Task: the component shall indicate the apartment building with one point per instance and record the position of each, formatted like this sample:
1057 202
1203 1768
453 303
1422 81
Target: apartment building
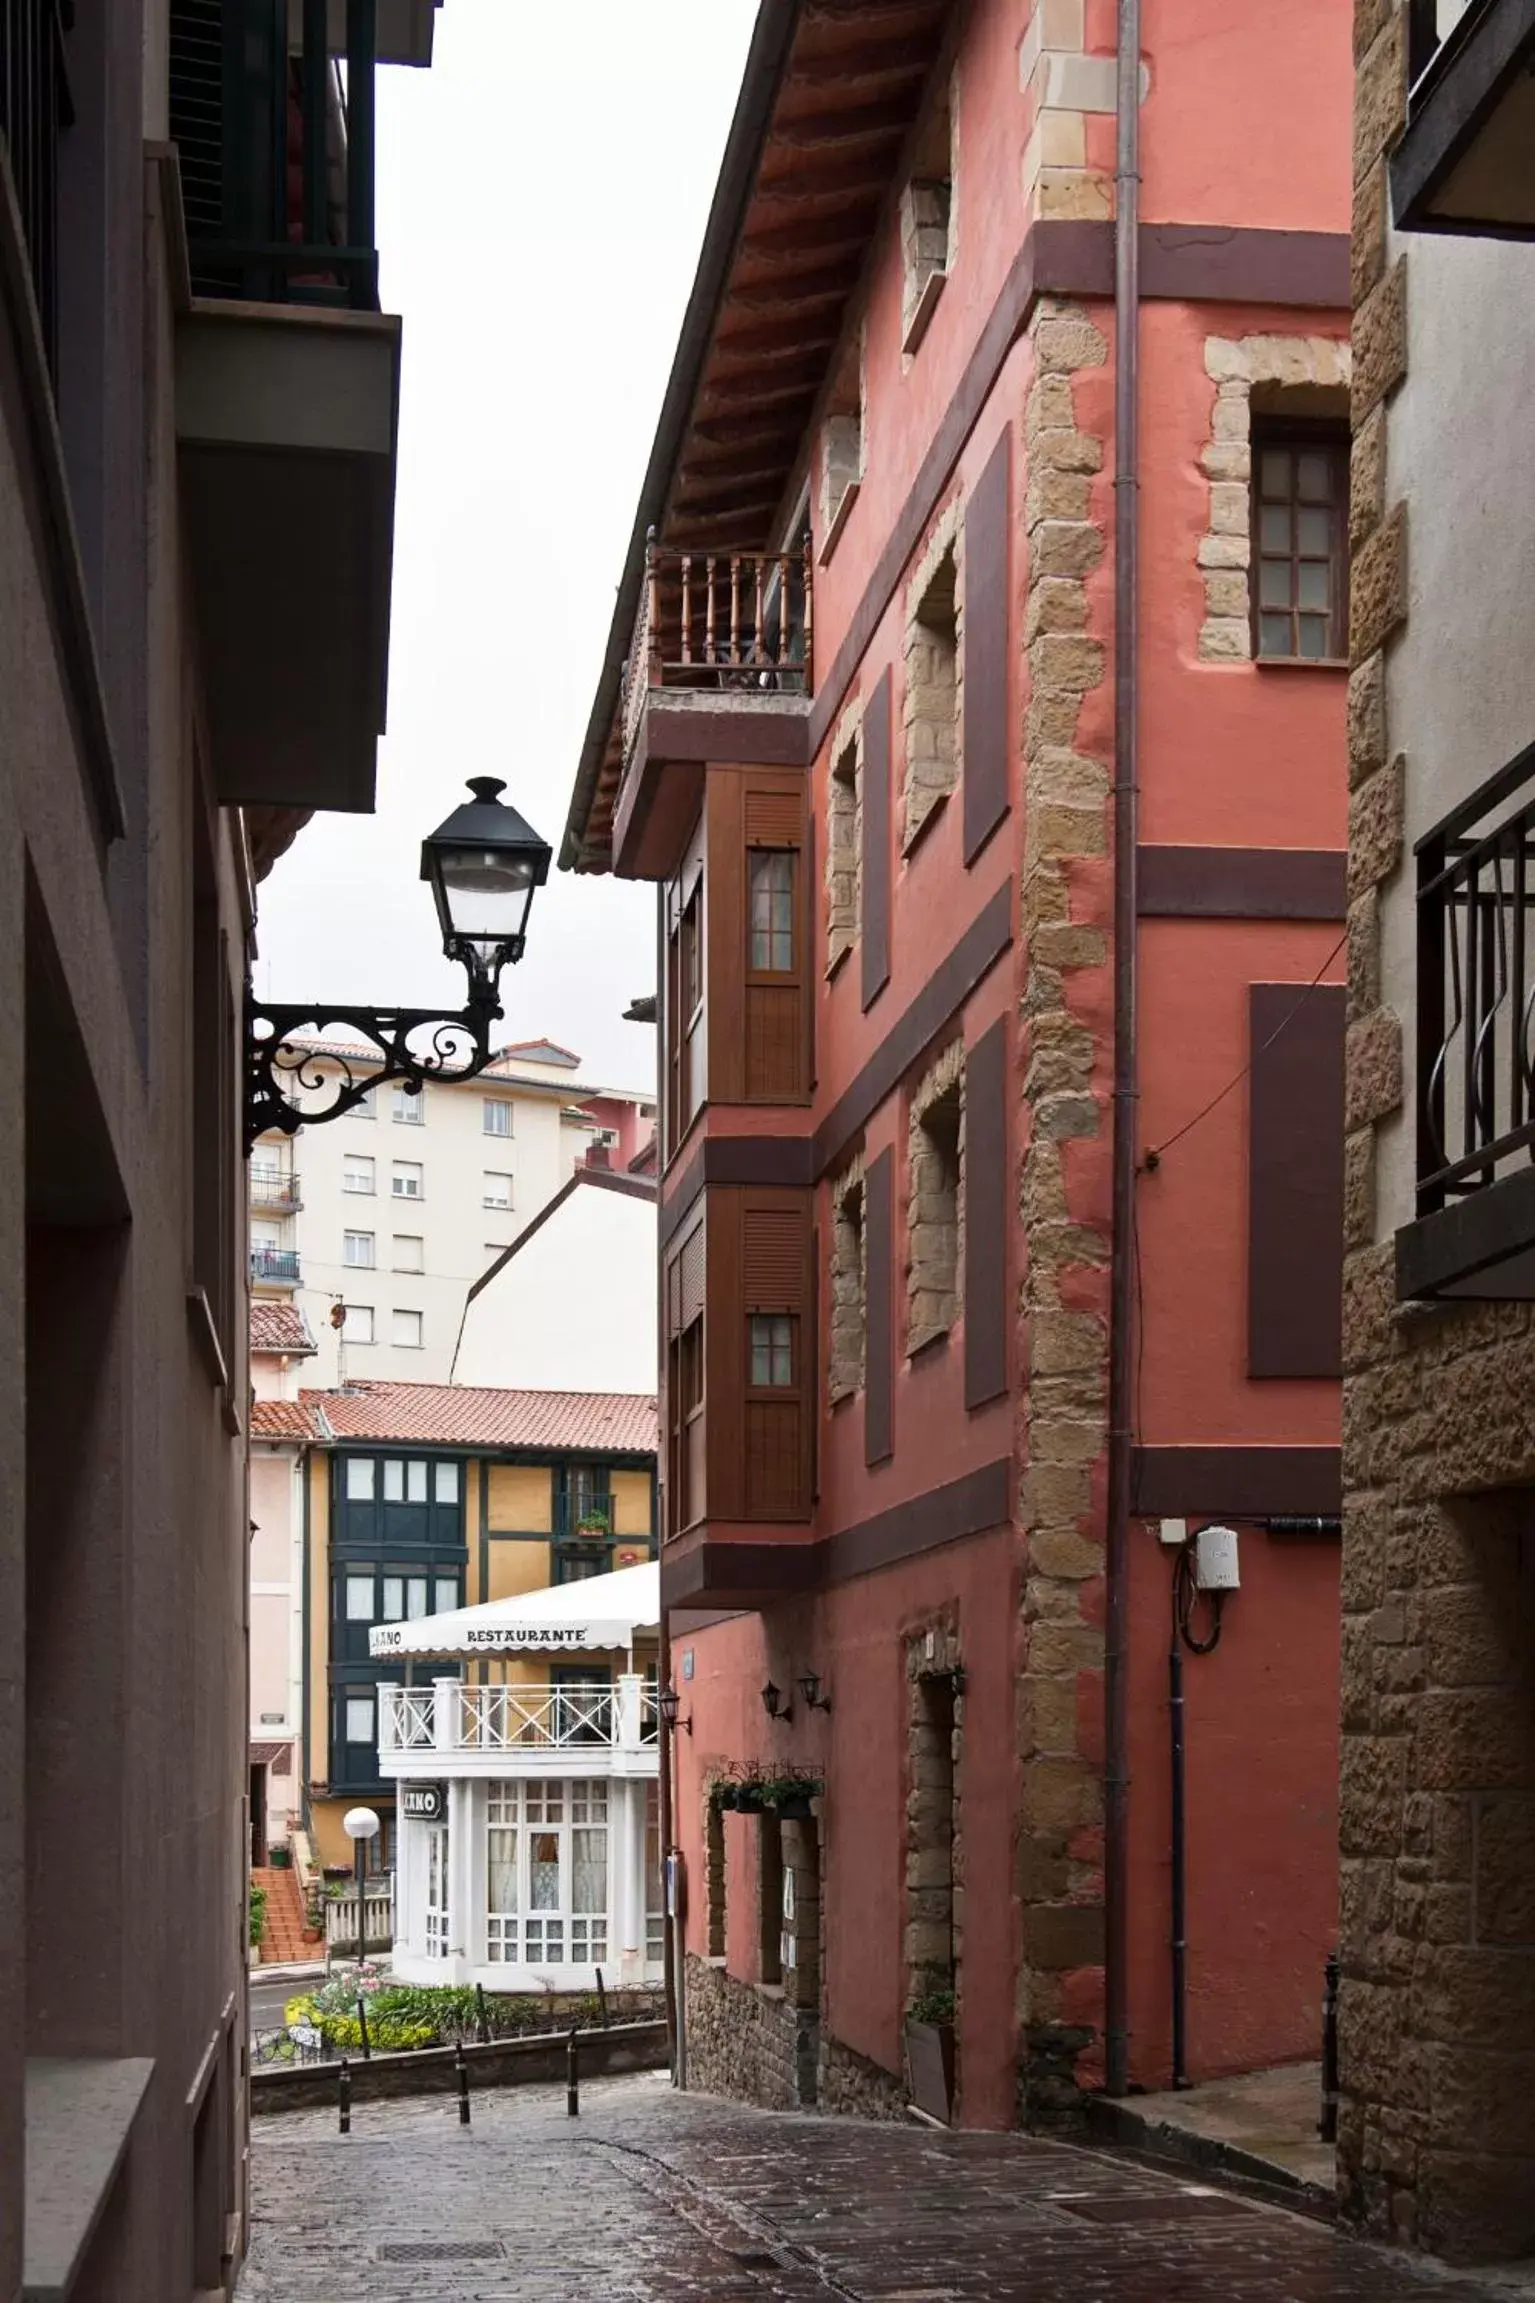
1436 2142
377 1227
401 1500
975 700
198 399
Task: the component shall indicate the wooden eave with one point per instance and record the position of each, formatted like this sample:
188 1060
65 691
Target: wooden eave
851 76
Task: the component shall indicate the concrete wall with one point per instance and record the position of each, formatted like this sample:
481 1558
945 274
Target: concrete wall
575 1308
277 1622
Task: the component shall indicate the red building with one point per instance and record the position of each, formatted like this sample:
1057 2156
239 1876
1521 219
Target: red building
1001 1129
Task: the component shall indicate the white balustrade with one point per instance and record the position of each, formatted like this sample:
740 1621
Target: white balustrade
455 1716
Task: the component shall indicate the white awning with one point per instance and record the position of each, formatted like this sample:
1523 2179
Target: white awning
599 1611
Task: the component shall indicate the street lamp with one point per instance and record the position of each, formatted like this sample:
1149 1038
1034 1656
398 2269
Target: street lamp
360 1825
483 866
669 1703
773 1703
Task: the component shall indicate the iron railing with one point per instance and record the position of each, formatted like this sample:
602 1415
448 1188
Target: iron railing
721 620
279 1264
35 108
277 149
514 1718
1476 990
273 1187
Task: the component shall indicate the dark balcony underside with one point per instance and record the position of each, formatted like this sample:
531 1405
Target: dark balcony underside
681 733
1481 1249
1467 161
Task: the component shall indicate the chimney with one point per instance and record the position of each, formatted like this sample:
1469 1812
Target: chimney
597 1156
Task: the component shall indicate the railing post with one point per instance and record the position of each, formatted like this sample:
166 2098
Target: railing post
805 559
445 1696
1433 918
630 1722
652 612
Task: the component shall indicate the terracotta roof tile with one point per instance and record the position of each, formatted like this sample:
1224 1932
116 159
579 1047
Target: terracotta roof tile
284 1419
280 1327
459 1415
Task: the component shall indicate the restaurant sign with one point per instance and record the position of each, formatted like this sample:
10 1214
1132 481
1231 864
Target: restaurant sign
423 1802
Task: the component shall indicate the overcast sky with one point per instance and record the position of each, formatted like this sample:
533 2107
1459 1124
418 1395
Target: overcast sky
542 194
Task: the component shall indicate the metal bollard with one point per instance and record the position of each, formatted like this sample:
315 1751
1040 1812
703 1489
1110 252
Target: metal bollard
344 2095
484 2023
462 2070
602 2001
362 2025
572 2077
1327 2125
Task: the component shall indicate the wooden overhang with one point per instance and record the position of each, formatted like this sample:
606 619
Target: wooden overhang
831 92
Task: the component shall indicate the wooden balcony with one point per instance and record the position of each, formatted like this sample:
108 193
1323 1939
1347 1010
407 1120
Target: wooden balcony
720 669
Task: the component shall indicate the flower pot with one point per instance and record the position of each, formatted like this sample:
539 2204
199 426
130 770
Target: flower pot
749 1800
725 1796
794 1807
930 2068
314 1934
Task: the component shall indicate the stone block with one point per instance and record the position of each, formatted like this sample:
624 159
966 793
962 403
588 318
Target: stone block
1505 1869
1060 1794
1065 341
1364 979
1374 1069
1473 1738
1227 362
1064 548
1375 820
1226 595
1063 1935
1366 718
1377 603
1056 605
1225 640
1050 407
1380 94
1472 1642
1074 194
1369 16
1229 460
1367 240
1372 1786
1359 1188
1367 479
1054 495
1224 552
1362 1573
1379 342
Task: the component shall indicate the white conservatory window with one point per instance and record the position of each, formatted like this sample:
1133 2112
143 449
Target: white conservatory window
547 1873
437 1892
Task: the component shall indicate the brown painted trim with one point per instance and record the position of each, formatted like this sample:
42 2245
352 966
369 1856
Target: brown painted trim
988 1219
971 1505
988 936
1295 1181
736 1577
774 1162
1247 1482
878 806
1239 264
1210 263
1243 883
759 738
879 1314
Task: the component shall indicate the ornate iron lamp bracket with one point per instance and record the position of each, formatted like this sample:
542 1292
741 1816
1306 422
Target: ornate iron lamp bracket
415 1045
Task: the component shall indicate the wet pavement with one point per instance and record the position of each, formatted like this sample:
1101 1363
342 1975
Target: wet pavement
654 2197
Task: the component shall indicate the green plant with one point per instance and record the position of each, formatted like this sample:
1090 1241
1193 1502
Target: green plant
934 2005
784 1790
593 1523
280 1857
257 1913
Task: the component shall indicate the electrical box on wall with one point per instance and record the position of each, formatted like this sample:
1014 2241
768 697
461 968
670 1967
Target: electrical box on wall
1215 1560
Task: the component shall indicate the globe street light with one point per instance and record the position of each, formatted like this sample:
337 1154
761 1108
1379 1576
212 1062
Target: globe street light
360 1825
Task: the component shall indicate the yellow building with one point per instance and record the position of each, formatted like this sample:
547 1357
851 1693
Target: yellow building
417 1498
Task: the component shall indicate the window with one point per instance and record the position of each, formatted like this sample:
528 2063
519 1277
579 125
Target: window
497 1190
546 1873
409 1251
1300 542
772 1351
770 878
933 677
407 1181
842 448
406 1330
438 1928
497 1116
927 226
444 1594
357 1174
849 1286
844 848
404 1482
445 1482
359 1478
409 1107
357 1323
392 1589
366 1106
690 1403
359 1719
357 1250
655 1887
359 1598
934 1201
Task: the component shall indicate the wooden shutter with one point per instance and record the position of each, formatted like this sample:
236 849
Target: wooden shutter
987 1217
879 1309
986 722
776 1277
1295 1181
875 924
777 1011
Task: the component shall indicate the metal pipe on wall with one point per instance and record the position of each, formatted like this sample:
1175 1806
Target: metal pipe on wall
1179 1943
1122 1253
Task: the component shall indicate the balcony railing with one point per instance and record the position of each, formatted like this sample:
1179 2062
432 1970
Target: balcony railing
276 150
719 620
277 1265
274 1187
1476 990
452 1717
35 108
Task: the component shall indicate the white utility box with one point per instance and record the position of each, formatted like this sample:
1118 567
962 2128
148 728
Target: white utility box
1215 1560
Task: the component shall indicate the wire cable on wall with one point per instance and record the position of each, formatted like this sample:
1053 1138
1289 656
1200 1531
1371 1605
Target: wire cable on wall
1186 1598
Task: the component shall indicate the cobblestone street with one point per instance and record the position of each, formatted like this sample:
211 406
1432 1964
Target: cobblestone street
660 2198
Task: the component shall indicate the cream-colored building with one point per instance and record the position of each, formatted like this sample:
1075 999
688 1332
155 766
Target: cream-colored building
388 1216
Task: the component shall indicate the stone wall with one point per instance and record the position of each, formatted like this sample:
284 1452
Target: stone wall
851 2083
844 838
1066 998
1436 2140
849 1284
934 674
747 2040
935 1198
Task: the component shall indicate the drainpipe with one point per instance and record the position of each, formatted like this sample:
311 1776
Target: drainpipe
1122 1268
666 1741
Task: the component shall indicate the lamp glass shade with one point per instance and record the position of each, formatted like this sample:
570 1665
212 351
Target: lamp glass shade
484 863
360 1823
667 1703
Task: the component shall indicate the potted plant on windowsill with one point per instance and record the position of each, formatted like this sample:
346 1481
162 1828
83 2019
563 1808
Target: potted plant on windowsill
593 1523
790 1796
723 1793
930 2051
